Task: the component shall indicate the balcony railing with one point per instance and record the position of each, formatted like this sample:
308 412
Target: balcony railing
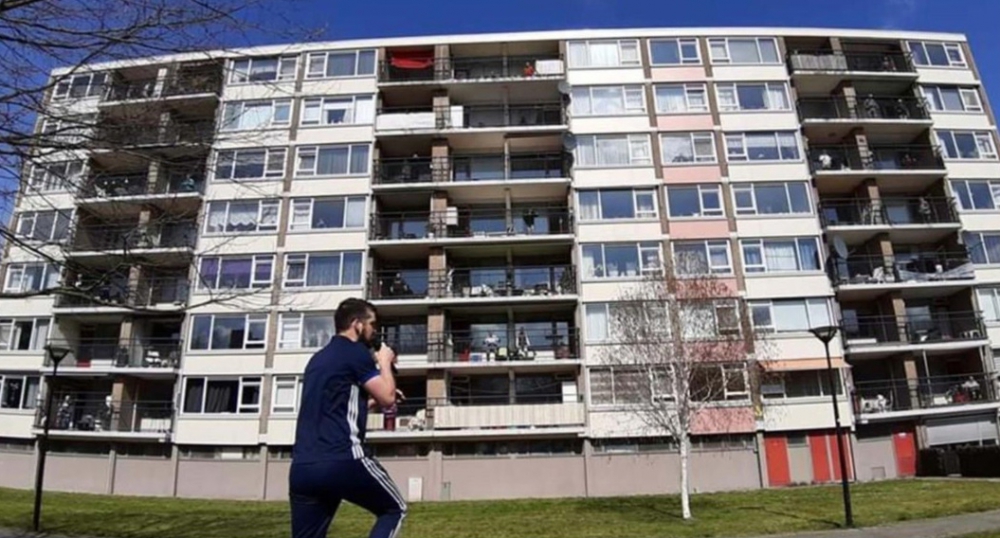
137 353
513 344
456 116
863 108
145 134
936 327
477 68
544 410
124 237
911 157
108 186
469 168
485 222
888 211
480 282
126 90
871 62
149 292
884 396
97 412
903 268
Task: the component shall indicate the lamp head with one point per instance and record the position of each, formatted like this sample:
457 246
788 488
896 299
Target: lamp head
57 353
825 334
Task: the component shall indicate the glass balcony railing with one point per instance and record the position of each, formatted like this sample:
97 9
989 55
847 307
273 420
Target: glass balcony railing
875 158
863 108
885 395
98 412
122 237
482 68
478 222
903 268
894 211
150 292
934 328
135 353
847 61
478 282
470 168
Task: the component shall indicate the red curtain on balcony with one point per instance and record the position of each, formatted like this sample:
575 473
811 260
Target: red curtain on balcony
412 59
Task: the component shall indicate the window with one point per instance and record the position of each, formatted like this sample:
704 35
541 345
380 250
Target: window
790 198
983 247
68 128
989 303
681 99
600 318
333 160
615 204
718 382
685 148
242 216
744 50
611 53
206 395
305 331
695 201
967 145
790 315
708 319
800 384
19 392
763 146
621 260
977 195
608 101
23 334
952 98
265 69
29 277
49 226
622 386
323 269
674 52
933 54
60 176
613 150
235 272
327 213
341 63
342 110
244 164
780 255
245 115
702 257
79 86
749 96
228 331
287 394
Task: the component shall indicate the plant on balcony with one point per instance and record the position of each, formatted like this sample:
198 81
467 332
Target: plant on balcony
681 349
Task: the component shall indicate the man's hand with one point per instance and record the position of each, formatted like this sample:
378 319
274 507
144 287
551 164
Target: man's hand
385 357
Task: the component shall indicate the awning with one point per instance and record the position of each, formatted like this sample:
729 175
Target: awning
803 364
412 59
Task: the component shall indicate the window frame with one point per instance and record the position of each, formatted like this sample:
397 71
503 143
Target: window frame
961 63
91 92
750 187
271 171
680 42
735 159
33 217
43 179
640 248
805 301
24 403
980 237
626 109
273 123
761 244
22 267
12 324
636 216
248 318
634 141
927 91
347 199
637 62
320 103
243 383
302 173
727 60
262 203
978 137
284 380
963 186
305 257
821 377
256 261
693 138
688 88
735 87
297 321
279 73
311 75
708 245
702 189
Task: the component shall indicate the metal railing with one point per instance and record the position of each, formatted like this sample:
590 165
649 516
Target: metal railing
470 68
102 185
872 62
154 291
184 84
894 211
147 134
127 90
469 168
478 282
537 343
500 115
135 353
97 412
936 327
903 157
902 108
487 222
883 396
903 268
468 410
122 237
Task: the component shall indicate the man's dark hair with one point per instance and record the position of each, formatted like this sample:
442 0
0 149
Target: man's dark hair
350 310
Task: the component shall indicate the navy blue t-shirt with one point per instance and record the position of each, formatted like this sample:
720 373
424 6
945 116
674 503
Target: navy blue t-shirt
333 413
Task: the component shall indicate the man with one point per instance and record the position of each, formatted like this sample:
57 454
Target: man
330 460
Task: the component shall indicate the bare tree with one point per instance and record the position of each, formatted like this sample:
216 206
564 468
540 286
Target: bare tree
681 355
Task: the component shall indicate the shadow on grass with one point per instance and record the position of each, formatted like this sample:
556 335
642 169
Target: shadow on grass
831 524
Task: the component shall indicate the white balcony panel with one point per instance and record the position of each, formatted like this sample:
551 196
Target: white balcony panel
215 245
607 290
993 333
795 346
16 424
223 362
741 73
39 306
46 201
634 176
335 134
17 254
281 431
604 423
804 413
932 75
246 190
787 286
292 361
611 124
339 86
217 429
311 301
22 361
961 120
264 90
785 171
508 416
632 230
276 136
339 186
980 221
759 121
604 76
972 169
772 226
987 274
229 301
322 240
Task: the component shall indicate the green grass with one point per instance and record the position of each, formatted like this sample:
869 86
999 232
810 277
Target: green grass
723 514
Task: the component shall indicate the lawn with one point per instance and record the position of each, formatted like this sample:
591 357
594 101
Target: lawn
723 514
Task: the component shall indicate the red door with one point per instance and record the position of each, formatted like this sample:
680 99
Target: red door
776 451
905 446
820 456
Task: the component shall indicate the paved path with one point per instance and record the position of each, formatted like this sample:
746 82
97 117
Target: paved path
945 527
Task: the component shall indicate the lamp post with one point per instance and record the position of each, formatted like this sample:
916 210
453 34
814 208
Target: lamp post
825 335
56 354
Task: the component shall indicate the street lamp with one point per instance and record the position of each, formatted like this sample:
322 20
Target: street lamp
825 335
56 354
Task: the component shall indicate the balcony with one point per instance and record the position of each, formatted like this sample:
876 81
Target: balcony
475 69
885 399
155 293
112 135
494 167
933 331
841 168
524 282
475 413
908 220
820 71
76 414
122 238
111 353
484 224
136 185
867 108
515 345
529 116
941 271
207 83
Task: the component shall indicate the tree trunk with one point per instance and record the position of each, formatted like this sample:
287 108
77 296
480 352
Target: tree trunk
685 496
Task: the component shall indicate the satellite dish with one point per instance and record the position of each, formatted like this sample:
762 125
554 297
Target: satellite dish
569 142
564 88
840 247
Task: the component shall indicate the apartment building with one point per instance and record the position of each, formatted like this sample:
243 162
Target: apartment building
493 195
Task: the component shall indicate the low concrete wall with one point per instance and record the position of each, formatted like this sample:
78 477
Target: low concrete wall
147 477
17 470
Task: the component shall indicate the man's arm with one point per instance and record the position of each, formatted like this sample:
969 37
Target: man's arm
382 387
